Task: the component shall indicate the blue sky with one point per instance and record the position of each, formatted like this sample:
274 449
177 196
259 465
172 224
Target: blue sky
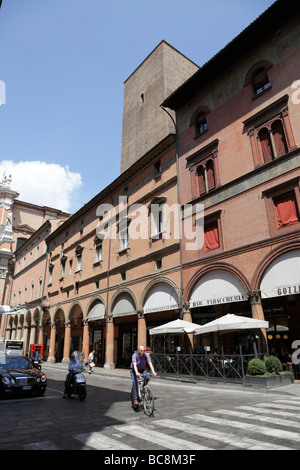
64 63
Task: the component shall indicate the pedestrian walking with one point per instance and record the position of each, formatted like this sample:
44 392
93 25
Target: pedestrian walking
91 361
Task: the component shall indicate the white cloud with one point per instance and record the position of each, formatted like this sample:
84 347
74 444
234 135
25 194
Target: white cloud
41 183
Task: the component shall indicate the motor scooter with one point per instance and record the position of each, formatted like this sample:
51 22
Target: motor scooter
37 361
77 386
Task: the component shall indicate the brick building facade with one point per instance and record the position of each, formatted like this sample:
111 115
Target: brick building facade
235 152
239 135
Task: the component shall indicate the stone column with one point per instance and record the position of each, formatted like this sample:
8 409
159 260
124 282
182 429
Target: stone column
25 337
258 313
13 332
86 339
19 328
67 343
142 329
32 334
51 357
109 353
187 316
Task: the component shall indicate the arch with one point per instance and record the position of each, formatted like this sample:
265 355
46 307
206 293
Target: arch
268 260
58 313
199 111
196 278
123 302
28 318
261 65
74 310
36 314
162 286
96 309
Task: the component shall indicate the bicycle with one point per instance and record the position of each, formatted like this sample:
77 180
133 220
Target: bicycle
144 395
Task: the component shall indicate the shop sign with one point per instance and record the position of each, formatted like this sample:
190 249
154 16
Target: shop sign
286 290
161 309
220 300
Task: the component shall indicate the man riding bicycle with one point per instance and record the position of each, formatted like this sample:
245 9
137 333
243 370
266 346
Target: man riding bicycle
137 369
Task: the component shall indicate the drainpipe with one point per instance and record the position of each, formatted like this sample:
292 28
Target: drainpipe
179 210
106 364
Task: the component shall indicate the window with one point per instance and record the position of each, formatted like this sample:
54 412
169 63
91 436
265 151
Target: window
282 207
157 217
211 236
78 261
286 209
20 242
201 124
204 170
270 133
32 291
123 234
78 253
260 81
158 264
258 78
98 250
272 141
199 121
63 262
77 288
40 287
70 267
205 177
157 168
51 267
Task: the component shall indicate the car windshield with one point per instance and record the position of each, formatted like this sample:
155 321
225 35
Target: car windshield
14 363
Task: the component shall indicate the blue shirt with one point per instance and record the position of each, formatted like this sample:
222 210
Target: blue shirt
140 360
74 366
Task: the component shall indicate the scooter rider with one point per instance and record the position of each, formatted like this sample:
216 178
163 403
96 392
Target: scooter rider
74 367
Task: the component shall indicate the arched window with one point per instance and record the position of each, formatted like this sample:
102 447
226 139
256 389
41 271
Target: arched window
205 177
260 81
210 175
258 77
270 132
279 138
266 145
200 180
199 121
201 124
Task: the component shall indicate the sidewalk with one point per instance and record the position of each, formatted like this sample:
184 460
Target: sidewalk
292 389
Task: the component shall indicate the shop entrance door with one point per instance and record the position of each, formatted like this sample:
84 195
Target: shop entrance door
127 344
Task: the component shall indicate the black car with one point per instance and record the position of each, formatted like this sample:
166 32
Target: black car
18 375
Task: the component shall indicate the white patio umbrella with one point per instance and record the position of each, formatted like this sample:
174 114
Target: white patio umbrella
175 327
231 322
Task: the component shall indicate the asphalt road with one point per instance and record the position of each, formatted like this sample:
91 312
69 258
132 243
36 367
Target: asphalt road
188 418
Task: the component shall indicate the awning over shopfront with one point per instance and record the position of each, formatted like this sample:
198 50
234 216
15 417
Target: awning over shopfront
124 306
231 322
162 297
218 287
282 277
97 311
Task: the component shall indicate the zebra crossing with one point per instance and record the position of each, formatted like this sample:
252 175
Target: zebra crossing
265 426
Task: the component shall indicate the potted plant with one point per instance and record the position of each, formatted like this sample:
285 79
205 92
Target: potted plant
267 373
